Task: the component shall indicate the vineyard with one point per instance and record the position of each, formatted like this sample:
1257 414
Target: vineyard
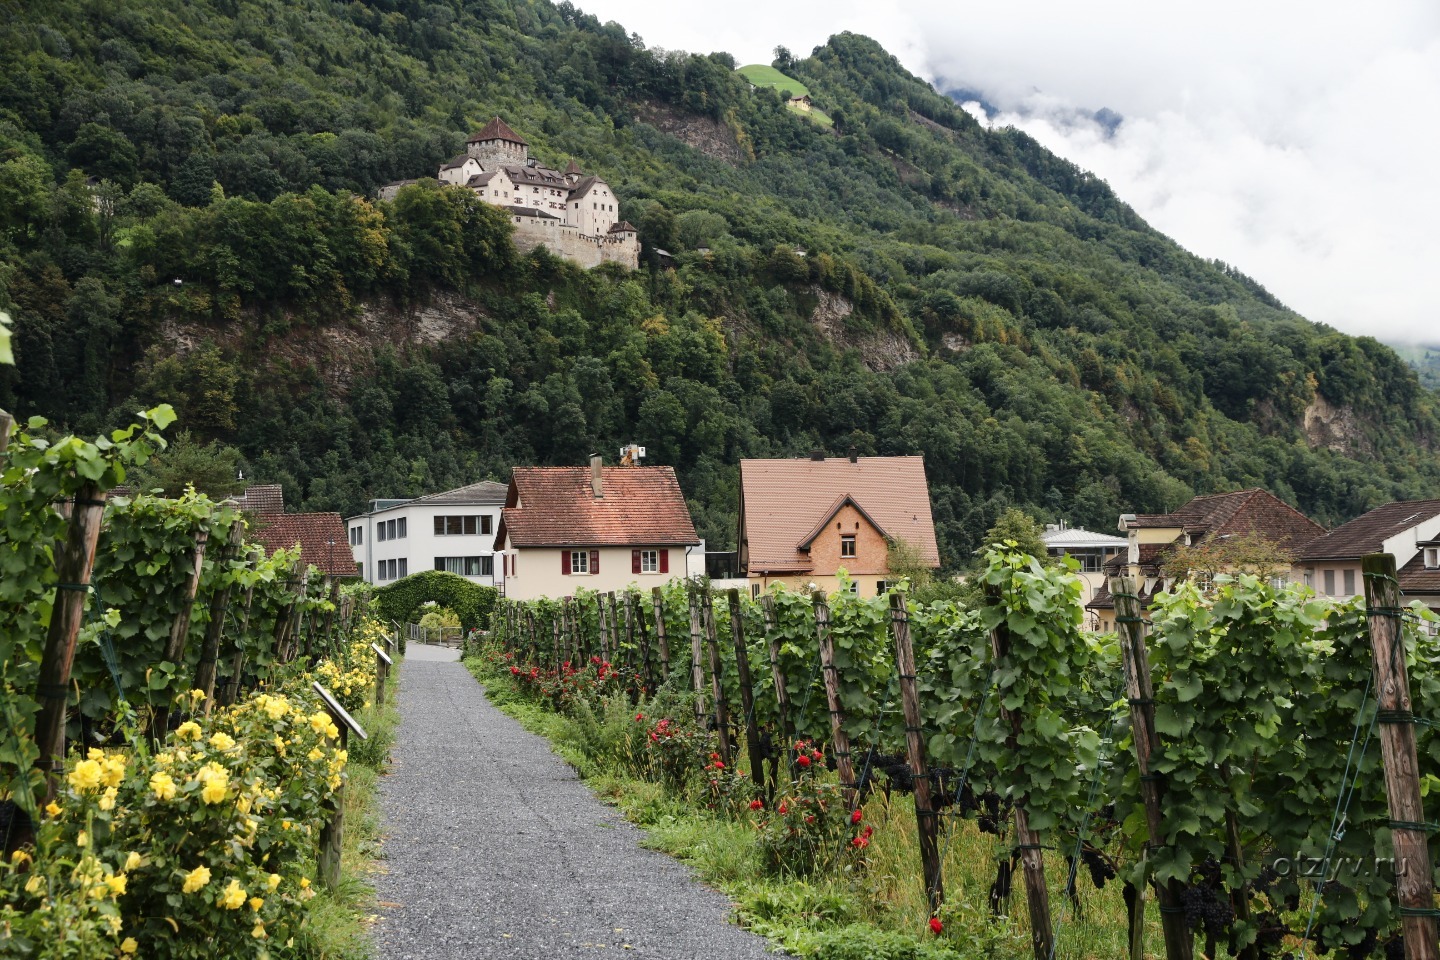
1228 760
178 711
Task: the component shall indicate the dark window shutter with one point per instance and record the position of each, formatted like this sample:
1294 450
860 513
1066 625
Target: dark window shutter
634 561
664 561
565 561
594 561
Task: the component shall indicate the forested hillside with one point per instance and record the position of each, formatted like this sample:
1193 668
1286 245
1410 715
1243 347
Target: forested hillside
961 293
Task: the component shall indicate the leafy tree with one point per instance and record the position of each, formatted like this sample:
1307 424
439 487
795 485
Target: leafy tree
210 468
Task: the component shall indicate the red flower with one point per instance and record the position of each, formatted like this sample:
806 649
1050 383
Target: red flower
757 805
855 817
860 843
639 717
719 765
515 671
782 809
868 831
810 818
936 926
818 756
803 760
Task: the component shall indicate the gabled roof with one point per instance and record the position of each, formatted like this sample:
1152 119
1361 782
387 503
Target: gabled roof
1367 533
1243 512
321 536
835 508
480 179
622 227
262 499
583 187
556 507
572 167
1152 555
486 492
1415 580
457 161
537 176
784 502
498 129
531 212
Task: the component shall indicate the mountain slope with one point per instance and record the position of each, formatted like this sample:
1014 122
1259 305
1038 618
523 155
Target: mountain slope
964 293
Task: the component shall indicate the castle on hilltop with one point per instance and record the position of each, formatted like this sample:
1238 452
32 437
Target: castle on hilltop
569 213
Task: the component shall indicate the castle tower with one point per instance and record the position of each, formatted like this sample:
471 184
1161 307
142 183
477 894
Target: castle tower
572 172
497 146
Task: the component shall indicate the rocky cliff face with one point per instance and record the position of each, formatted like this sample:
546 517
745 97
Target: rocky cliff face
1334 428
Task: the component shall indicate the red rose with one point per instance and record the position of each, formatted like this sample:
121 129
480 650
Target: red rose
810 818
782 809
855 817
936 926
757 805
803 760
639 717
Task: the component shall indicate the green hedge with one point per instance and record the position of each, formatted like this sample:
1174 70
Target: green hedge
402 599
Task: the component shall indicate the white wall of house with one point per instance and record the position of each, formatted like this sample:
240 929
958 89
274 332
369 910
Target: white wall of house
421 545
535 572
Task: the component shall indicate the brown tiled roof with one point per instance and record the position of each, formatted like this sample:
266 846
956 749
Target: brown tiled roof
1152 555
782 501
583 187
622 226
572 167
498 129
322 538
555 506
1366 533
263 499
1104 601
480 179
537 176
1243 512
455 162
1416 581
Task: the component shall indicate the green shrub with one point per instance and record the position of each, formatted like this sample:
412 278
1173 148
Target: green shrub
471 602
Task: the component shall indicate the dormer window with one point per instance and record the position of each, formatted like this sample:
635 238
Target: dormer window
1432 558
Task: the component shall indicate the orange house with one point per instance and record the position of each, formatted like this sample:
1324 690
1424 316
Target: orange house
803 522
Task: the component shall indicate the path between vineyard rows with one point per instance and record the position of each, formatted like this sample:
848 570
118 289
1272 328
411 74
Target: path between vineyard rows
495 849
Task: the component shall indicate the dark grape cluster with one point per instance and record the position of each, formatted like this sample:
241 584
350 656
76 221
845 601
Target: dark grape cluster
1206 902
1101 870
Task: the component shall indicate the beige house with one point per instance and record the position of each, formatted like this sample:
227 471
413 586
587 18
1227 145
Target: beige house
565 529
803 522
1407 529
1207 521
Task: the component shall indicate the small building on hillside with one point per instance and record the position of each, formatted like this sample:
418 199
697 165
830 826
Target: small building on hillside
595 528
452 531
1264 530
803 522
1090 550
320 536
1408 529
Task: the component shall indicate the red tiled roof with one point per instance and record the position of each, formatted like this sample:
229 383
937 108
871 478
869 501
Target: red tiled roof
783 501
322 538
1152 555
1417 581
498 129
555 506
262 499
1368 532
1252 511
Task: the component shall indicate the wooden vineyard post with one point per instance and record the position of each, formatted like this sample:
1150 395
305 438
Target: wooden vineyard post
717 678
647 672
629 633
555 645
530 645
1027 840
1413 883
284 622
839 739
612 626
6 423
926 820
1130 622
662 644
697 671
602 628
747 690
237 661
782 695
215 629
180 626
569 636
74 560
332 831
330 614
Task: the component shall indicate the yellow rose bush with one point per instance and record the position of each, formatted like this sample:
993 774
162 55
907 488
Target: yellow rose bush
350 674
168 854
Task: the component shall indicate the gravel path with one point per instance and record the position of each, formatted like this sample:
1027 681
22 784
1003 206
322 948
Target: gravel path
495 848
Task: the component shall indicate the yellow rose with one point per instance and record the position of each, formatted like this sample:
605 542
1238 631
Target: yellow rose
279 746
52 808
197 695
332 731
34 884
272 881
222 741
304 883
128 945
107 802
315 754
19 857
256 903
234 896
114 770
196 879
86 775
319 721
133 861
163 786
243 805
258 931
82 839
189 730
116 884
215 787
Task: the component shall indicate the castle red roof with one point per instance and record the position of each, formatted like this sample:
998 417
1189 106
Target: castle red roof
555 506
324 542
498 129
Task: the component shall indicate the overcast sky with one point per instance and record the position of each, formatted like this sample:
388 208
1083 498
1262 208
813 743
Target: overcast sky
1299 142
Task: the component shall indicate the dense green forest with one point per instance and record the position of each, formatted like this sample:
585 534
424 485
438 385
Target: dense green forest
183 215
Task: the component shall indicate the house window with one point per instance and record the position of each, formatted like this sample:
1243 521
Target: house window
579 561
467 566
1278 582
881 586
1348 578
1432 558
1205 581
754 591
847 545
391 529
1329 577
649 561
357 536
854 586
459 526
360 569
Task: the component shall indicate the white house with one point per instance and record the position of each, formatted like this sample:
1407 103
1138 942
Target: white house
452 531
1090 549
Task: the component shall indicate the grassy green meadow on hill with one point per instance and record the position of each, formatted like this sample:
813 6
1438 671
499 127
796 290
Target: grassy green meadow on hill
963 293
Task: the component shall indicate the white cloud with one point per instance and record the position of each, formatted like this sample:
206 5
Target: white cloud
1296 141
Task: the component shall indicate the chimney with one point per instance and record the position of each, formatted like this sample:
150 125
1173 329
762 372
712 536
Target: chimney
595 482
854 456
817 455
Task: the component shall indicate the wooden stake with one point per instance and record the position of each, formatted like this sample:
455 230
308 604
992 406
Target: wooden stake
603 628
1037 895
215 629
555 643
1414 884
782 694
717 679
530 645
612 624
6 423
697 671
839 739
180 628
380 673
647 671
332 831
747 690
75 558
662 643
629 634
926 820
1129 616
237 662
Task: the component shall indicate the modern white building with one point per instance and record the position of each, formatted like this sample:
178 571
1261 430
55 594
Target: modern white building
1090 549
452 531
